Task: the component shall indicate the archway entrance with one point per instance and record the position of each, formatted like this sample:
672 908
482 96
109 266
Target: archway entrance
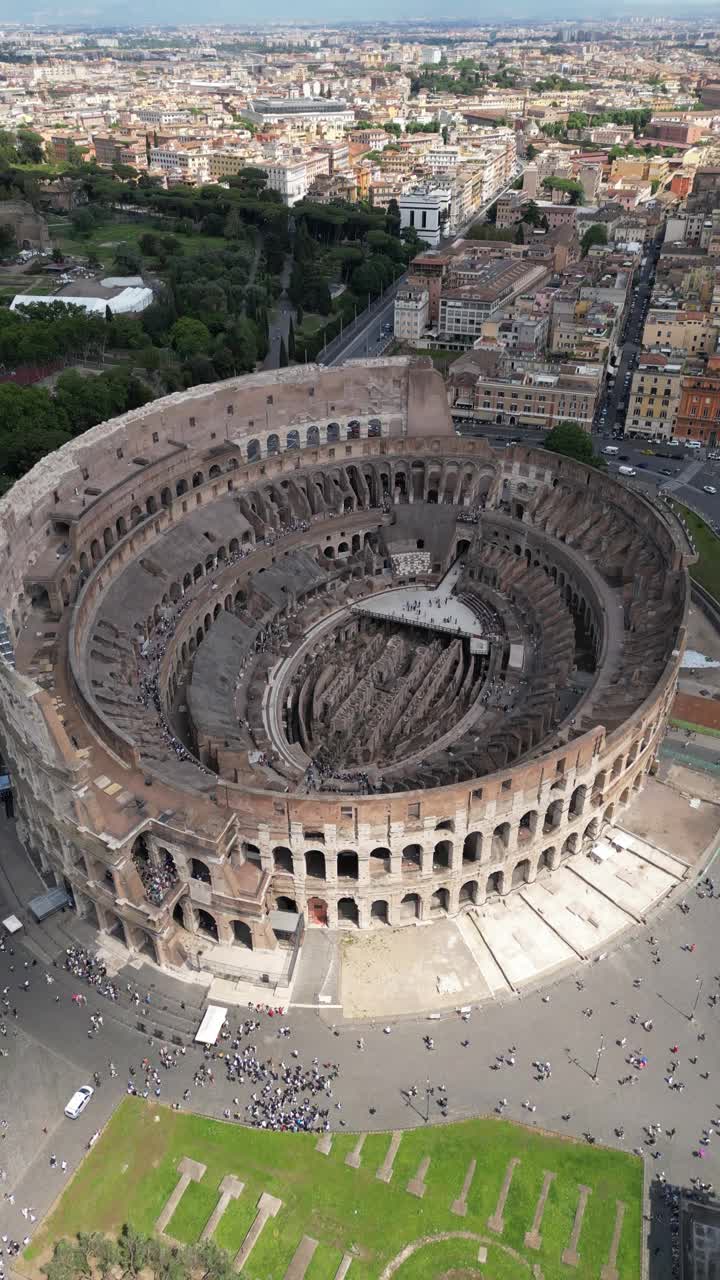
317 911
242 934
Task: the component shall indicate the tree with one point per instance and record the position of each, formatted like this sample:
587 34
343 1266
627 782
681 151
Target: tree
8 244
283 357
572 441
128 259
595 234
291 341
190 337
519 234
299 314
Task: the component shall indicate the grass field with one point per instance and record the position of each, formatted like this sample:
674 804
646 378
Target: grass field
106 236
132 1170
707 569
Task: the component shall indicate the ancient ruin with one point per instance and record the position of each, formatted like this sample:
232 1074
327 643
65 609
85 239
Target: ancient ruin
287 647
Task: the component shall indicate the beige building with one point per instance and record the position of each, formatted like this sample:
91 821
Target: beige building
412 312
654 397
484 388
695 332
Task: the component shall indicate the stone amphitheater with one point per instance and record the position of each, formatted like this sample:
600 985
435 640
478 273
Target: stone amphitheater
286 649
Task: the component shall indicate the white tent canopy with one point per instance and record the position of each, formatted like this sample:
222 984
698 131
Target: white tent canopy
211 1025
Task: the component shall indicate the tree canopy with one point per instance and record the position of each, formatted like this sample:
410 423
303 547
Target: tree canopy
573 441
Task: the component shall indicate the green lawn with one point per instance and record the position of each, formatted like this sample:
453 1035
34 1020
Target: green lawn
104 238
132 1170
707 569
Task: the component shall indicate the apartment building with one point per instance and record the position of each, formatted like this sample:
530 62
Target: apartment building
698 414
464 307
695 332
290 178
411 315
182 163
654 397
505 391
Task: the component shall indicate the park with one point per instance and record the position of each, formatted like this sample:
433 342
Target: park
420 1202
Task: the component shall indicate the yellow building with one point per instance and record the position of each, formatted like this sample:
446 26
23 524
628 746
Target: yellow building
654 397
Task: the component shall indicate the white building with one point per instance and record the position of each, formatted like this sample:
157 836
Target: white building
290 178
427 209
412 314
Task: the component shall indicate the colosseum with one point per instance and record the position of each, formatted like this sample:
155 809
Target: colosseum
286 651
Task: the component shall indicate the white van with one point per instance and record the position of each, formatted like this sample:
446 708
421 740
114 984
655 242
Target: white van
692 444
627 471
79 1101
611 448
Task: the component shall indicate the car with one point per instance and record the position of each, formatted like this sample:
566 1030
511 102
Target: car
709 488
666 471
79 1101
624 457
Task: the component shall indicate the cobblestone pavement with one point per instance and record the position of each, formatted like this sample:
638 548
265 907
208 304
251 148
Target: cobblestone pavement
587 1024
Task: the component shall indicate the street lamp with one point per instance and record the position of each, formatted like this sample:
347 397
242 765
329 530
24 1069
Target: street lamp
691 1015
427 1100
600 1052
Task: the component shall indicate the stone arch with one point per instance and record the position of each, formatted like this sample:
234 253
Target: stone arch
313 437
214 471
527 826
332 434
283 903
617 767
317 909
166 497
207 924
107 539
472 847
439 901
624 798
242 934
521 873
592 830
253 450
500 839
553 816
379 861
347 864
577 801
570 846
468 893
315 864
199 870
198 479
379 913
353 430
546 861
121 526
348 912
442 855
273 443
495 884
412 857
374 427
410 907
180 488
293 440
609 813
282 859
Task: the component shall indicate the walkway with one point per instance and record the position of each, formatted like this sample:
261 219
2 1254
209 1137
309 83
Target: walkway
435 609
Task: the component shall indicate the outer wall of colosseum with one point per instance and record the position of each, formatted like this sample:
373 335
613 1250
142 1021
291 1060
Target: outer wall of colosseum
371 448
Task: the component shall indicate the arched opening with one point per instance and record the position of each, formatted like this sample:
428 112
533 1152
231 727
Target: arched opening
253 450
200 871
179 915
410 907
242 934
353 430
379 912
315 864
317 910
494 884
637 781
625 796
313 437
468 892
500 839
374 427
609 813
251 853
592 830
348 911
333 433
107 539
599 787
442 855
439 902
282 859
472 847
166 498
286 904
293 440
379 861
570 846
180 488
553 816
347 865
412 857
577 802
273 444
521 873
617 767
526 826
545 861
207 924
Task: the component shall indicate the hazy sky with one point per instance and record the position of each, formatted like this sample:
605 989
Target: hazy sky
127 12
